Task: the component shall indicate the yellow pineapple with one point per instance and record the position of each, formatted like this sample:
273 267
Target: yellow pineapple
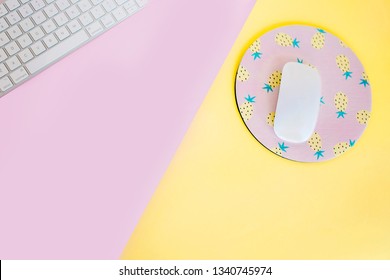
342 147
315 144
277 151
281 148
273 81
285 40
363 116
341 103
308 64
318 40
344 65
364 80
271 119
343 44
243 74
246 108
255 48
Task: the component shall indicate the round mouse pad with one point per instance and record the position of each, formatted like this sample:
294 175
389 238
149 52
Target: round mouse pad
345 102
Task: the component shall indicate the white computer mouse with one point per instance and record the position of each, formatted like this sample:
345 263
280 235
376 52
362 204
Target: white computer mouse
298 103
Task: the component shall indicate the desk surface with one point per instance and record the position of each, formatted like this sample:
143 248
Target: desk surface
70 187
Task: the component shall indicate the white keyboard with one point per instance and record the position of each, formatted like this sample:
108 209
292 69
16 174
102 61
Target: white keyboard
35 34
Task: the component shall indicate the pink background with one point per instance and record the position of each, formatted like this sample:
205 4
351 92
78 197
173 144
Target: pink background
84 144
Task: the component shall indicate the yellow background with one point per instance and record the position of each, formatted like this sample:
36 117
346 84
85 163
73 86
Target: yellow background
225 196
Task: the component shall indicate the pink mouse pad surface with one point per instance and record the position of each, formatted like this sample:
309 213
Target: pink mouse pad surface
84 144
345 103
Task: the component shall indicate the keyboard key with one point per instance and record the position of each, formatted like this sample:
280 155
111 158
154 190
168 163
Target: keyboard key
109 5
131 7
3 70
94 28
12 4
49 26
26 24
62 33
107 20
24 41
61 19
3 55
120 2
84 5
5 84
73 12
13 17
3 10
63 4
95 2
37 4
49 1
3 24
12 48
119 13
24 1
14 32
13 63
97 12
39 17
19 75
26 10
85 19
74 26
57 51
141 3
50 40
3 39
38 48
51 10
25 55
37 33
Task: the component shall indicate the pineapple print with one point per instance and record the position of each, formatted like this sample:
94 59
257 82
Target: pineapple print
315 144
271 119
280 149
255 48
285 40
243 74
301 61
343 64
277 151
363 116
341 102
343 44
364 80
318 40
342 147
246 108
273 81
